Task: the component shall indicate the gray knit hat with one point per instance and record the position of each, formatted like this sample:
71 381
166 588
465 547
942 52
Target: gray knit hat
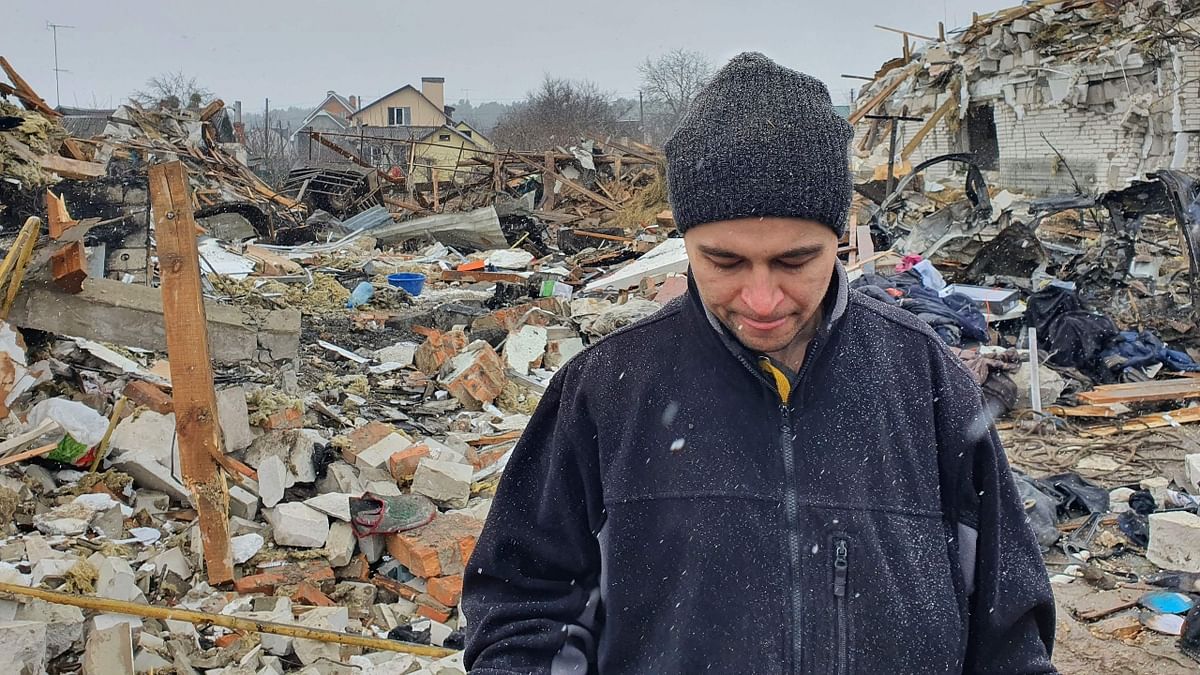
760 140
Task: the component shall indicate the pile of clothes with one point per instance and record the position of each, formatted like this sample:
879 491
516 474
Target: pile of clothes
954 317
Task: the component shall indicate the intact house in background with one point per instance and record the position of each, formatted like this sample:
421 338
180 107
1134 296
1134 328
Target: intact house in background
408 132
1047 97
332 115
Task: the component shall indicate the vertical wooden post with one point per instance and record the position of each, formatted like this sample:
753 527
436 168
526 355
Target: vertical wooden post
550 198
194 397
437 204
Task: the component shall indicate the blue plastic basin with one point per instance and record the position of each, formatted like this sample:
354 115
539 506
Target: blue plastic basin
411 282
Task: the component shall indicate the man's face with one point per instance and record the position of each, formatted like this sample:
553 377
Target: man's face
763 278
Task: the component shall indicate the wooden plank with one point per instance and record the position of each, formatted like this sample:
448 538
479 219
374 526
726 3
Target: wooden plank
1083 411
911 146
72 168
211 109
905 32
1155 421
26 93
455 275
194 397
68 267
882 94
598 198
1156 390
1099 605
59 220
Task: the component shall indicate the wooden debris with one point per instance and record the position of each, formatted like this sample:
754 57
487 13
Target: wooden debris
1141 392
225 621
191 367
68 267
12 270
1158 420
23 91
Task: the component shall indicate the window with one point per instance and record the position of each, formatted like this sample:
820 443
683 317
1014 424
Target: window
466 132
981 136
443 137
399 117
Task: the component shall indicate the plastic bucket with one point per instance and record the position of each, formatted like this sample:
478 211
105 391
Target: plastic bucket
411 282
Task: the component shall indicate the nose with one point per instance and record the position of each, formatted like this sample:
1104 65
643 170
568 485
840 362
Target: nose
761 295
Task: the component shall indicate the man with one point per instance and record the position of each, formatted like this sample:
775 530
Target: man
772 474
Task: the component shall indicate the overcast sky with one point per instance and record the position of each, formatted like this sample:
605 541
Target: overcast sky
292 52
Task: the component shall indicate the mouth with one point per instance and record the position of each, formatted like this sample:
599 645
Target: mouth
761 326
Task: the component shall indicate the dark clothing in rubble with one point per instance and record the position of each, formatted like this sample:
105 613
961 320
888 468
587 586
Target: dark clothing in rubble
1145 349
1069 335
666 512
954 317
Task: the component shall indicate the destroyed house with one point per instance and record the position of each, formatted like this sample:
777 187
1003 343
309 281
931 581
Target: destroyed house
1048 97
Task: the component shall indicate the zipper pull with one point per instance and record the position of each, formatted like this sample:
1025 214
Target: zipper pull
841 555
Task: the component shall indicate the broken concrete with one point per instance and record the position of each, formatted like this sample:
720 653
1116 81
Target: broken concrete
294 524
448 484
131 315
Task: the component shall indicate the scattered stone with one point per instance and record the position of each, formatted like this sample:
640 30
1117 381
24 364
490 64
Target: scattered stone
524 348
64 624
246 546
24 646
242 503
234 418
327 618
446 483
340 544
295 524
1175 541
272 479
109 651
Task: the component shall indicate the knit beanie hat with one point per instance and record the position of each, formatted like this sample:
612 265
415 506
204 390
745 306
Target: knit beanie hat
760 140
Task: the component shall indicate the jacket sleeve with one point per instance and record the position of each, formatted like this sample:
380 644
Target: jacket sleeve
531 588
1009 602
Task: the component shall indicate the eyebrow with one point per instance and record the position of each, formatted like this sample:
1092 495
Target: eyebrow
798 252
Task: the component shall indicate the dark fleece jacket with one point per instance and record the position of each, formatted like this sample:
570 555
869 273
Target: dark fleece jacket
666 512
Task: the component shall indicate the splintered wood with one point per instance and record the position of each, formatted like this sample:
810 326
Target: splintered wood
195 399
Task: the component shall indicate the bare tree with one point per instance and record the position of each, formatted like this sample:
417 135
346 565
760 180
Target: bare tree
671 82
172 91
560 112
271 153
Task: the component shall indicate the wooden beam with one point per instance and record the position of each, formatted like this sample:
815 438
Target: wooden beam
12 269
23 91
1157 420
68 267
598 198
455 275
211 109
1139 392
72 168
905 33
225 621
316 136
58 218
194 397
882 94
930 123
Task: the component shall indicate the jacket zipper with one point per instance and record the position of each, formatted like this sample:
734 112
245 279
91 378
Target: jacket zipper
791 507
841 563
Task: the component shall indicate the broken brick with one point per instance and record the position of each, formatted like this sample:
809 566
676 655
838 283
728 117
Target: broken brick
149 396
265 582
438 549
317 573
307 594
365 437
437 349
536 313
403 464
446 590
432 609
227 640
476 376
359 569
288 418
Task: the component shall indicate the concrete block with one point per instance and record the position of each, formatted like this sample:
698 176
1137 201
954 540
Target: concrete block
525 348
340 544
175 560
294 524
148 433
1157 487
1191 466
340 477
294 447
272 479
50 567
109 651
1175 541
234 417
327 618
401 352
117 581
333 504
151 501
446 483
558 352
373 547
24 645
149 473
65 624
245 546
131 315
146 661
377 455
242 503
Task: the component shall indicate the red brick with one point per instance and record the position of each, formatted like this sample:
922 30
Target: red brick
403 464
260 583
438 348
149 396
481 382
358 569
288 418
307 594
446 590
227 640
432 609
440 548
364 437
